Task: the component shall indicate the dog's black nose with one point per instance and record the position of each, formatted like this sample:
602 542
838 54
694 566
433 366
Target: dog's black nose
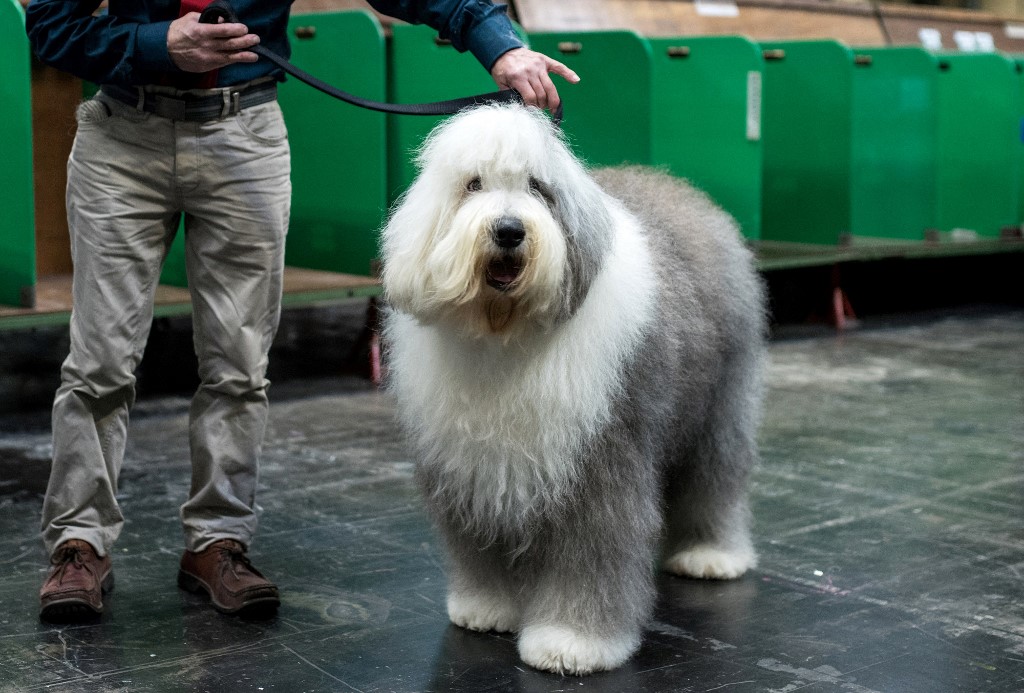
508 232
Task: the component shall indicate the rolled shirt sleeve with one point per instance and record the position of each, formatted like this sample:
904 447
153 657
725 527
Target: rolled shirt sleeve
476 26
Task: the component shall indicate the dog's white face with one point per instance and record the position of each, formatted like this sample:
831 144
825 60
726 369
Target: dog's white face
499 234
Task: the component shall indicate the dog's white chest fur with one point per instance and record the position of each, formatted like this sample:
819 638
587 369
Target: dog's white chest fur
504 422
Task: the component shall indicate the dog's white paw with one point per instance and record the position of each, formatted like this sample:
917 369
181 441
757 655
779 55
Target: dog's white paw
563 650
710 562
482 612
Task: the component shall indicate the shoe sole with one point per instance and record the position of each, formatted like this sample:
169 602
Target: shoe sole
263 607
72 609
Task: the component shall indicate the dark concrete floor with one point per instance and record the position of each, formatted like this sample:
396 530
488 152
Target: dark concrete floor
889 518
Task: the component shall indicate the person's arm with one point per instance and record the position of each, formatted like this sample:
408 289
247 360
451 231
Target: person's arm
104 49
485 31
111 50
479 27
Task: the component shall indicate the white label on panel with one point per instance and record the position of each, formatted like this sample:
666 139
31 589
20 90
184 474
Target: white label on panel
754 106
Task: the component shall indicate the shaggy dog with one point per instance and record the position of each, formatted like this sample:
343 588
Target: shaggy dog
576 359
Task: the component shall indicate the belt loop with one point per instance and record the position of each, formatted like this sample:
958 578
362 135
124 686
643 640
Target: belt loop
140 105
230 103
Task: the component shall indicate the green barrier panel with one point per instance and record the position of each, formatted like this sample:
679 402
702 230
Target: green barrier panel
423 69
339 167
806 126
173 273
894 136
978 140
18 240
1019 69
706 119
608 114
603 130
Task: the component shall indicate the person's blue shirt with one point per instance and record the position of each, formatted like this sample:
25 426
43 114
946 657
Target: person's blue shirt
128 44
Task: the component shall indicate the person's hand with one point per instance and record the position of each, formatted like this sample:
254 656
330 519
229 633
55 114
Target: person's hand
196 47
527 72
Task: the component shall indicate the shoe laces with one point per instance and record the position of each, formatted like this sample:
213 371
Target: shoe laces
65 557
233 557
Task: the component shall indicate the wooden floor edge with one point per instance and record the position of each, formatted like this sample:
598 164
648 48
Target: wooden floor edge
310 287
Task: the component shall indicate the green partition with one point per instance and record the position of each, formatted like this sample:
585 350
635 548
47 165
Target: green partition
339 167
603 130
339 164
806 125
17 242
894 136
608 114
422 69
174 273
706 119
1018 63
979 136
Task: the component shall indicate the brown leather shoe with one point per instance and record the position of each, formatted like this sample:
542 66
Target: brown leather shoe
225 573
75 585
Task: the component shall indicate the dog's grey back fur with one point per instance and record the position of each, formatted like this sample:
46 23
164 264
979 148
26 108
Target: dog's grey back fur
696 384
711 312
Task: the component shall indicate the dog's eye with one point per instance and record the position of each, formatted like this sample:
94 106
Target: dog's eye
538 188
474 185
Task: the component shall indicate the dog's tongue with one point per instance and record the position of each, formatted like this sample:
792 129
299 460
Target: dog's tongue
505 275
502 272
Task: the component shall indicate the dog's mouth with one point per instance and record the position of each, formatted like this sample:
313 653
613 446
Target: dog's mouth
503 272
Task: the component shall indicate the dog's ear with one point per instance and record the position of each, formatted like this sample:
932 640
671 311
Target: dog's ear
406 243
581 208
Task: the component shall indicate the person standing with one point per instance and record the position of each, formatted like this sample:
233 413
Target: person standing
186 124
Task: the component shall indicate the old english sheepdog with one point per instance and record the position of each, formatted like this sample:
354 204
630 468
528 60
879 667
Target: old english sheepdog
576 359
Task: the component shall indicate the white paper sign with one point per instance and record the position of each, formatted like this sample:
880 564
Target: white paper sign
717 8
985 41
1015 31
930 38
974 41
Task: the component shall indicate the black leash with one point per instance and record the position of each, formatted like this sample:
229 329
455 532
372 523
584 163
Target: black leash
221 9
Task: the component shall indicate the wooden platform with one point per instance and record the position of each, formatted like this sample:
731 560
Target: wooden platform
778 255
854 22
301 287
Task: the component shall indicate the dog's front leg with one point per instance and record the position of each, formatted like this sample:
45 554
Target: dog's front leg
594 589
481 595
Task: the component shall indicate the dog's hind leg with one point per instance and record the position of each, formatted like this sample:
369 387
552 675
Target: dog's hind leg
709 538
707 518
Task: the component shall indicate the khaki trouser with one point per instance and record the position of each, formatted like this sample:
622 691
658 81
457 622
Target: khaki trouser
130 177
